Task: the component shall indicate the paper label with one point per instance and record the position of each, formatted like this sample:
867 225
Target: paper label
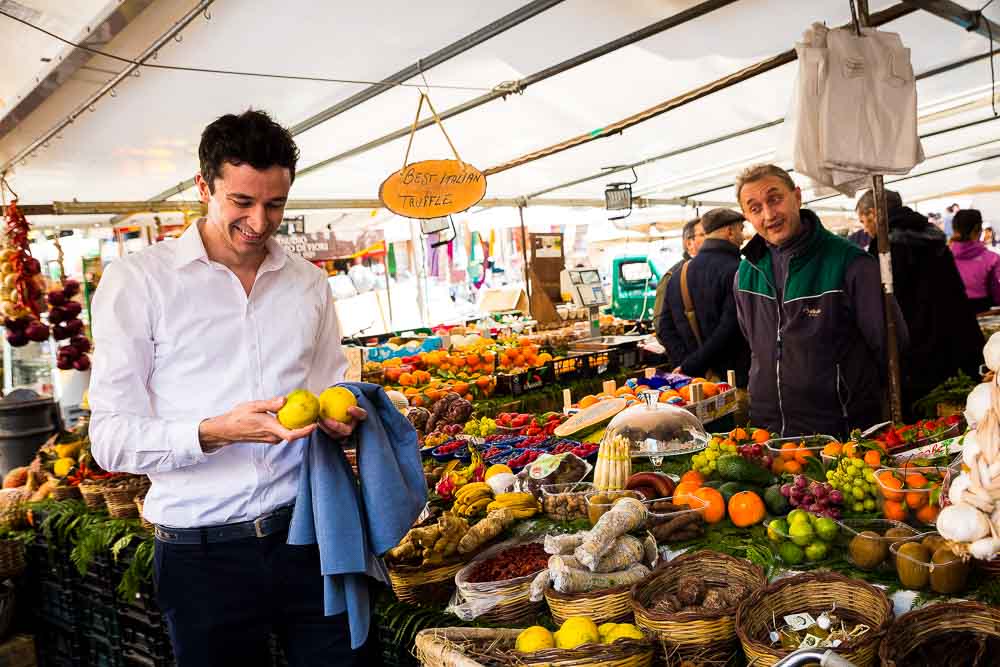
798 622
810 641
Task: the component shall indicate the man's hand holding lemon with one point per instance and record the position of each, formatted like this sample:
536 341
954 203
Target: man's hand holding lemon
336 410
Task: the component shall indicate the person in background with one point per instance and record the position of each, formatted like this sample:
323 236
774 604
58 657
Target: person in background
700 326
944 335
860 238
810 305
692 236
946 221
979 268
990 237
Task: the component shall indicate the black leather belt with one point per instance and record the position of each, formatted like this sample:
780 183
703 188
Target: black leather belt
262 526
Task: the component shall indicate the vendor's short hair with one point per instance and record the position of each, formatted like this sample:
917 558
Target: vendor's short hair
761 171
252 138
893 200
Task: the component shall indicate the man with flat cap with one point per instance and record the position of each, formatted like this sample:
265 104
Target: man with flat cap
703 330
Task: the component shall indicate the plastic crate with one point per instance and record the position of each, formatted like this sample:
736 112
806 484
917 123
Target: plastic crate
149 639
56 643
56 603
625 358
596 364
567 368
97 617
97 651
515 384
131 658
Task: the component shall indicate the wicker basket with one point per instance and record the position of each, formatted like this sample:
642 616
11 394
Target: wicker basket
139 500
991 568
459 647
499 602
703 636
65 493
944 625
421 586
814 593
120 498
11 558
93 496
611 605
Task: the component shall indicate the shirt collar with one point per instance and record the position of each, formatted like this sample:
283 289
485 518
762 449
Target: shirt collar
190 248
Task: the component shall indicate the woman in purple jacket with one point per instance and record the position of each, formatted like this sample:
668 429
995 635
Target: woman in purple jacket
979 267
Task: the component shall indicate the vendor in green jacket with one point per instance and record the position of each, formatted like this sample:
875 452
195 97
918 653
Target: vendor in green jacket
810 305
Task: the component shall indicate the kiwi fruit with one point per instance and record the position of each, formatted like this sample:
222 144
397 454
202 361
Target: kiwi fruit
934 543
868 550
912 565
948 572
898 533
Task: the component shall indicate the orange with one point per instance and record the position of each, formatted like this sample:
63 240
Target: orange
683 490
849 449
738 434
685 392
587 401
873 458
792 467
890 488
625 391
894 510
544 358
715 504
928 514
469 398
709 389
461 388
728 442
802 454
489 357
417 401
915 480
472 359
788 451
484 382
761 435
407 380
698 381
693 476
833 449
916 499
745 509
457 361
778 466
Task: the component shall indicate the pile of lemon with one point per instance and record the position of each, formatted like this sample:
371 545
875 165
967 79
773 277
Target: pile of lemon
575 631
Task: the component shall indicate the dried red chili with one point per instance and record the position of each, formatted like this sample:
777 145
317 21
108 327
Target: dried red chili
519 561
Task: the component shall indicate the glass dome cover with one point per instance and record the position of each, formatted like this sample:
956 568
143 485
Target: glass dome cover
657 429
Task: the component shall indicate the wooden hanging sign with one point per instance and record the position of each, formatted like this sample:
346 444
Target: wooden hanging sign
432 188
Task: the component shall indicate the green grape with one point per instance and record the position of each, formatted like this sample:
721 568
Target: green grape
858 507
869 505
858 493
831 476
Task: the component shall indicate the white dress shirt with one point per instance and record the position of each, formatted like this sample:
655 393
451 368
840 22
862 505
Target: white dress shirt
176 341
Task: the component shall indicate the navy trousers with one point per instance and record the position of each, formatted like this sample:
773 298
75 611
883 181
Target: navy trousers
223 600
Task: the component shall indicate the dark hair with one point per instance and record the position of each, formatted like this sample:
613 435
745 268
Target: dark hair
966 222
867 202
689 226
251 138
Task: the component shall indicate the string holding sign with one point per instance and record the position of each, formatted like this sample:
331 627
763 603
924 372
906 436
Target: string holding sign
432 188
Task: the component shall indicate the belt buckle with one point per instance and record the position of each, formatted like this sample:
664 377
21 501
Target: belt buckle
258 524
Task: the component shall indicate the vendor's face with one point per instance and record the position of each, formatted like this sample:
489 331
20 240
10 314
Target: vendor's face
772 208
246 207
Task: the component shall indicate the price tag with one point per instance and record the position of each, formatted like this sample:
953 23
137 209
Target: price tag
810 641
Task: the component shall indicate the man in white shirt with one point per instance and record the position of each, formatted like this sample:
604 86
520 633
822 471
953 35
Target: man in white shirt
194 340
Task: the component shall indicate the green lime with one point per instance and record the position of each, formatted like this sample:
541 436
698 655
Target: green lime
791 554
827 529
817 551
802 533
797 516
777 530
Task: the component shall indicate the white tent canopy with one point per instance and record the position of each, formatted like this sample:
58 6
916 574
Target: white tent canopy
144 139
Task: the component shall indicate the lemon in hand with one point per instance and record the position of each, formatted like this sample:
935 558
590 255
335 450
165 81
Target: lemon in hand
334 402
300 409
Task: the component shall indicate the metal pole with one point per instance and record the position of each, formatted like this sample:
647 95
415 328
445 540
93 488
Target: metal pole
971 20
419 272
885 265
388 287
524 254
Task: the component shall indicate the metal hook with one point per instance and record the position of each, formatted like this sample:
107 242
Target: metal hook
113 93
137 73
92 108
854 18
208 15
178 38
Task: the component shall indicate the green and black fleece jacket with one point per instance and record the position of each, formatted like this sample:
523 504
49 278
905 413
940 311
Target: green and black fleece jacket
812 312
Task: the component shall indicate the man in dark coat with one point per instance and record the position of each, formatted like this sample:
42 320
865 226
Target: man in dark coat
944 334
693 236
709 338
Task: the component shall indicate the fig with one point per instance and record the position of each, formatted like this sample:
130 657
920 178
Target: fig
17 338
81 343
56 297
57 314
60 332
37 332
82 364
73 309
71 288
73 326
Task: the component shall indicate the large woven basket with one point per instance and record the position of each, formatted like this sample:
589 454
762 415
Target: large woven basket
856 602
93 496
65 493
472 647
120 497
422 586
11 558
499 602
139 502
703 636
911 638
611 605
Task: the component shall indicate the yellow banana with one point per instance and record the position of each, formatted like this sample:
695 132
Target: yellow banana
515 496
473 488
524 513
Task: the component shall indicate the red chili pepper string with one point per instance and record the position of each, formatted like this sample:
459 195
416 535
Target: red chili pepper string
17 233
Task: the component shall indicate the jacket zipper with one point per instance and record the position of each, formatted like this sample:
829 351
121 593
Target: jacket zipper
780 305
843 405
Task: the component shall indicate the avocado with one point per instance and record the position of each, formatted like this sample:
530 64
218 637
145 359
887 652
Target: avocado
730 489
777 504
948 572
868 550
714 483
735 468
912 565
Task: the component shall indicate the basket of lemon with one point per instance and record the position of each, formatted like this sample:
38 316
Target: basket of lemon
579 642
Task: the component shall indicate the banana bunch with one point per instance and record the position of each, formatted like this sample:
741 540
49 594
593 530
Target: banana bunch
472 499
521 505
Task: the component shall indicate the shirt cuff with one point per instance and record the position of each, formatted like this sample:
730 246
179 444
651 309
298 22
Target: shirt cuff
185 443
